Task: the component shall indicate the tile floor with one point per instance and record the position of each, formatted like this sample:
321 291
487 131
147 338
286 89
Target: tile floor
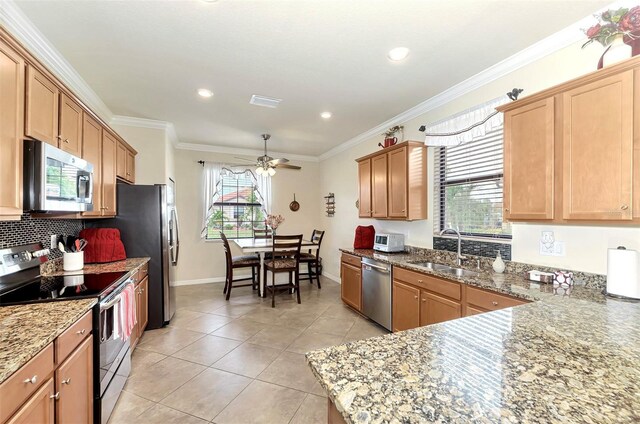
239 361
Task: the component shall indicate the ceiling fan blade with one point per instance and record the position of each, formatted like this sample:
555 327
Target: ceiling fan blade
287 166
278 161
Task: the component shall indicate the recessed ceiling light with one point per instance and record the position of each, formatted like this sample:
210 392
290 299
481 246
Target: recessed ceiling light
325 115
398 54
264 101
203 92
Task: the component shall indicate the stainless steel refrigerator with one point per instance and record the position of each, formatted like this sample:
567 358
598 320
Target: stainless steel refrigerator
148 223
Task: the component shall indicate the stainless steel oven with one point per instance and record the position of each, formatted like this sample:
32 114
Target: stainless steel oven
55 180
115 354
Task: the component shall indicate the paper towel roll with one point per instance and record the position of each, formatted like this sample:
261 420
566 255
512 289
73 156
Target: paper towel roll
623 273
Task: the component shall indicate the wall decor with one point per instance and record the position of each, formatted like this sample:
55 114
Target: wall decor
390 138
294 206
619 32
330 202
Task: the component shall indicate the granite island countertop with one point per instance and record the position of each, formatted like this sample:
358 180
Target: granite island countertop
54 268
27 329
562 358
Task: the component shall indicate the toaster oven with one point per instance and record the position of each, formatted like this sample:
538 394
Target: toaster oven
389 242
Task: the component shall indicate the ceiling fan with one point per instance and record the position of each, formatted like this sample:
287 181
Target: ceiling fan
267 165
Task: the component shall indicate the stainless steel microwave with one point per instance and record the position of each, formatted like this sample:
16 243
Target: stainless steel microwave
55 180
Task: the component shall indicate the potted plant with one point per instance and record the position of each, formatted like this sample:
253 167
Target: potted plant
618 31
389 135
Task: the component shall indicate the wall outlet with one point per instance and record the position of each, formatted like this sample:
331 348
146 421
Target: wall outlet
54 241
555 248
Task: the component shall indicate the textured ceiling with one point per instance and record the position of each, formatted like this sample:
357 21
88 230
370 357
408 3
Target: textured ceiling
147 59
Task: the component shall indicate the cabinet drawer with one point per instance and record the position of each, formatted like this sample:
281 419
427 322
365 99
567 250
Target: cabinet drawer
434 284
72 337
491 301
143 271
135 277
24 382
351 260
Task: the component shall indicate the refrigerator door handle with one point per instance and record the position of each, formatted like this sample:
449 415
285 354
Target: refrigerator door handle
175 242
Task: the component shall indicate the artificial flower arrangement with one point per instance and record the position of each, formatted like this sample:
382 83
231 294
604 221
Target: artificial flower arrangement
613 23
274 221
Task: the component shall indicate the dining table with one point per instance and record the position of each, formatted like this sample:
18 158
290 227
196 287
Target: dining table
263 245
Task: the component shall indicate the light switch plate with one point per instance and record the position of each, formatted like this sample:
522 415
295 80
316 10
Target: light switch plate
557 248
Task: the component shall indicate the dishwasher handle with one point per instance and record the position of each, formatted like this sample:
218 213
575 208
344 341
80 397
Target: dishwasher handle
378 267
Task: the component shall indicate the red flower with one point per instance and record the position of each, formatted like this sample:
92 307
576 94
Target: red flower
631 21
593 31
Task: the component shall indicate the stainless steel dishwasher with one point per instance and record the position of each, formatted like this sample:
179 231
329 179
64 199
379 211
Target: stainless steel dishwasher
376 291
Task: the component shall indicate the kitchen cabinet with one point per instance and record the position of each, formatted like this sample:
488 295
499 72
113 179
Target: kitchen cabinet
472 310
109 147
351 281
435 308
74 386
572 152
406 307
142 298
364 189
39 408
486 300
92 152
125 165
12 83
598 149
131 166
42 102
393 183
70 133
529 145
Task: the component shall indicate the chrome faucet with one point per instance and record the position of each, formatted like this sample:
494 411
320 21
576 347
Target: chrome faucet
460 257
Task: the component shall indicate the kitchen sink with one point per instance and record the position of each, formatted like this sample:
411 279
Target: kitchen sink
458 272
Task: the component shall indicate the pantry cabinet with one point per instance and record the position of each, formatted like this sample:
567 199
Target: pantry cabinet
351 281
572 152
12 83
42 102
393 183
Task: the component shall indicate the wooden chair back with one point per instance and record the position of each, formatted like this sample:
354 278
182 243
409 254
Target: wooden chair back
227 251
316 237
261 233
287 247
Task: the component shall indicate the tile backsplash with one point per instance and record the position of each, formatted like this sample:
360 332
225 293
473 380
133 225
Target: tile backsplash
31 230
473 247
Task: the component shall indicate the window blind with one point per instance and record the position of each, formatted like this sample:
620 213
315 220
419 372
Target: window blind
468 187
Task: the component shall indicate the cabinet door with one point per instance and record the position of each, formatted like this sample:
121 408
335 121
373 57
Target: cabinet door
92 152
135 333
598 149
131 167
109 146
39 408
351 286
398 183
143 305
74 384
529 161
379 186
435 309
121 165
70 126
364 188
472 310
11 130
42 99
406 307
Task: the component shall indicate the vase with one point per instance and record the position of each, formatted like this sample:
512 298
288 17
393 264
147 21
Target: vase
498 264
617 51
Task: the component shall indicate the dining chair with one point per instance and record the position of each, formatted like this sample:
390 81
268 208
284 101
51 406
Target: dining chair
261 233
285 258
312 259
236 262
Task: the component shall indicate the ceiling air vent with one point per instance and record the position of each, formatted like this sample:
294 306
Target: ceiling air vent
265 101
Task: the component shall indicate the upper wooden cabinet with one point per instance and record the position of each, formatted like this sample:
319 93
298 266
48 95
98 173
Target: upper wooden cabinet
70 137
572 152
529 145
393 182
11 131
125 168
42 102
92 152
109 148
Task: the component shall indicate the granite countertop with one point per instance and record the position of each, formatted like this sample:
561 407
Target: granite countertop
27 329
54 268
564 358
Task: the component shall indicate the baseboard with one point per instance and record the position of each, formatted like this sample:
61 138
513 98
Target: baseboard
203 281
331 277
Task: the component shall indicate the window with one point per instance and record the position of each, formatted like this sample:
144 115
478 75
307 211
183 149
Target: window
237 210
468 187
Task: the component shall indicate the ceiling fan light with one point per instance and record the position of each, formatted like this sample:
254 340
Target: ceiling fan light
259 170
271 172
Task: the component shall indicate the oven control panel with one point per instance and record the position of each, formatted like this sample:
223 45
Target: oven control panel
17 258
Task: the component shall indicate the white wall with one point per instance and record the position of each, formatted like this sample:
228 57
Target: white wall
585 245
202 260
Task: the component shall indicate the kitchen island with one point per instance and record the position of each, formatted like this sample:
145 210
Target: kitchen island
560 358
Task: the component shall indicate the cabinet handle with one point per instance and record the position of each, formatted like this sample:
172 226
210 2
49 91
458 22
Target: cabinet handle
67 381
494 303
128 173
56 396
66 140
506 209
415 297
424 300
624 207
81 332
420 281
32 380
59 137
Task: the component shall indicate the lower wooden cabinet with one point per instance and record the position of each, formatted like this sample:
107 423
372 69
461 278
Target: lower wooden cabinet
406 307
142 310
351 281
74 386
435 309
39 408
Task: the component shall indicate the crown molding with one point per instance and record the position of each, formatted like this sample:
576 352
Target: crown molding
243 152
131 121
16 22
537 51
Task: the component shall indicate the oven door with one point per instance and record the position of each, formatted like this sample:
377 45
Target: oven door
113 348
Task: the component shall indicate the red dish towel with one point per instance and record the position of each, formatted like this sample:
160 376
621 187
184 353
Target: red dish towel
127 311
